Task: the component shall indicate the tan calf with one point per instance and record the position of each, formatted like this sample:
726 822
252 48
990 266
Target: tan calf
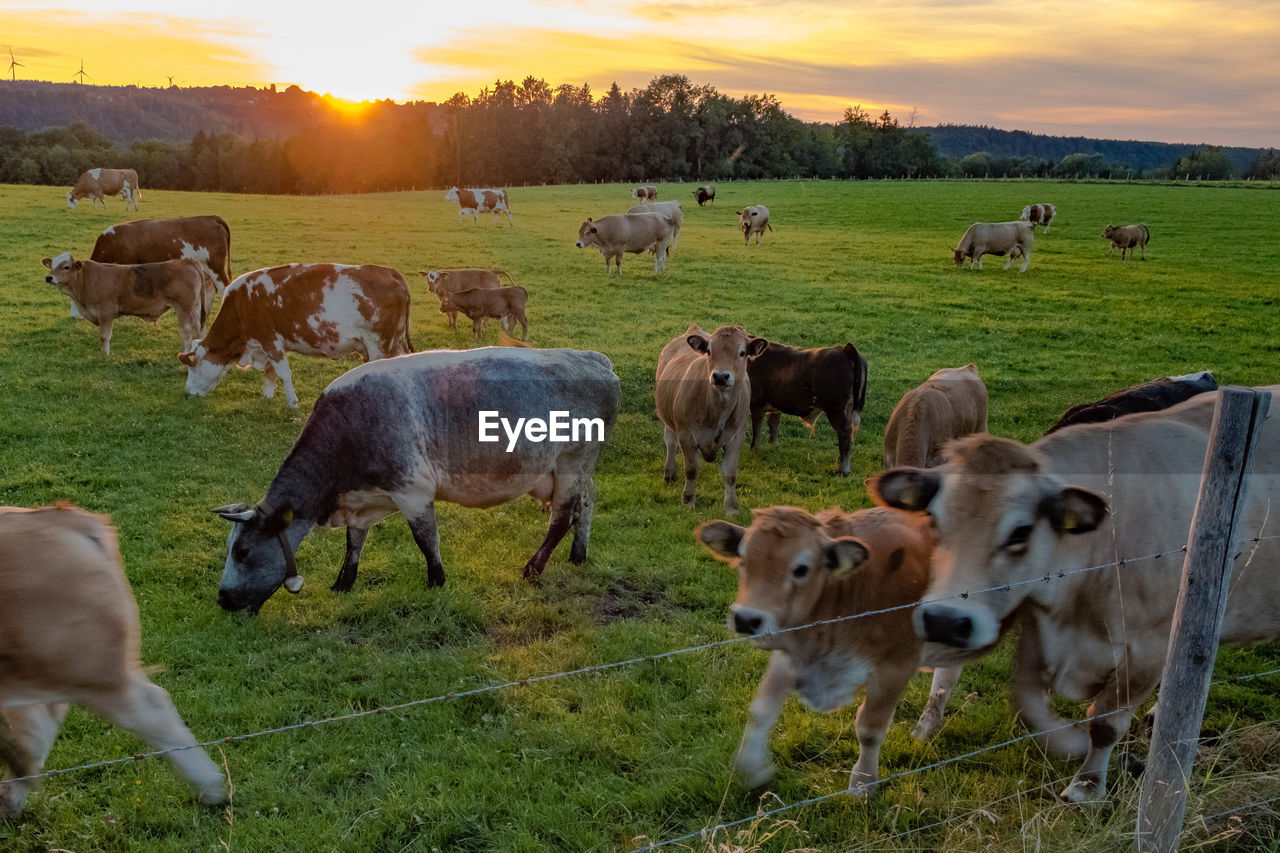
949 404
69 633
794 569
753 219
1126 238
505 304
454 280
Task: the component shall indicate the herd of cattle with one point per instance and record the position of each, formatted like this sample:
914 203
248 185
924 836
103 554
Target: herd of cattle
960 510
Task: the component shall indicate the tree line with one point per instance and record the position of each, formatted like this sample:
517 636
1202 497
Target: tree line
533 133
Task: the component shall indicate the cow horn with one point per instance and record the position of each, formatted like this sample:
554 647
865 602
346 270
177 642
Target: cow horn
235 512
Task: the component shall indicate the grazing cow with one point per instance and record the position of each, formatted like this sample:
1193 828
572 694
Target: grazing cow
703 194
400 434
1126 238
477 201
1146 397
506 304
1093 495
794 569
646 193
672 211
204 239
96 183
753 219
949 404
102 292
452 280
69 633
1039 214
703 397
631 232
325 310
995 238
806 383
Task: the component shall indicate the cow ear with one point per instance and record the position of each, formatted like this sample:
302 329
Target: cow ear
699 343
187 358
1075 510
48 263
77 265
424 273
843 555
236 512
911 489
756 347
721 538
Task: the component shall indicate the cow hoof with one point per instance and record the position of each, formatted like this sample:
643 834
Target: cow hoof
213 795
1078 793
755 777
343 584
577 557
532 574
861 789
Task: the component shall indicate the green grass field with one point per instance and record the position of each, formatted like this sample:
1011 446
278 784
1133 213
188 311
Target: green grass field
591 762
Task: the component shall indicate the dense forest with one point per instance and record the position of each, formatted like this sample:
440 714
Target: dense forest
264 141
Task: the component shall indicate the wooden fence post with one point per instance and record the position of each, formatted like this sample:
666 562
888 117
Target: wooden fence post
1197 620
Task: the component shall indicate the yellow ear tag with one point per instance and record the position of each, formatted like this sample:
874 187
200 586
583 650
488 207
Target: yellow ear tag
909 496
1070 521
287 515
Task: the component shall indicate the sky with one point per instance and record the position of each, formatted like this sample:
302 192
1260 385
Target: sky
1169 70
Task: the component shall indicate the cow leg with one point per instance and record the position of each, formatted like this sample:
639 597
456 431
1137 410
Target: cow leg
524 326
145 710
1031 699
75 311
104 333
944 680
509 222
268 382
476 325
752 762
845 429
350 562
26 736
757 419
281 366
422 523
1026 258
775 418
885 687
564 508
189 327
586 508
729 472
670 439
1090 782
692 463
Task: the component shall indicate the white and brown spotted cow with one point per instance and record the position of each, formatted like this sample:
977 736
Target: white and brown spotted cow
97 183
204 239
324 310
1039 214
478 201
645 194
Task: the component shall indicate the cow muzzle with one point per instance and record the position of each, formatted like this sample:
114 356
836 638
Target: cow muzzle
950 626
722 379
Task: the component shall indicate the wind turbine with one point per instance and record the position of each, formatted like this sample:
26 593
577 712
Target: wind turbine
81 73
170 76
14 64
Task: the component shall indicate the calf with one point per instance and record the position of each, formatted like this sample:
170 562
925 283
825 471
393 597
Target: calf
753 219
645 193
102 292
69 634
674 214
703 194
1126 238
1146 397
1039 214
949 404
795 569
631 232
96 183
806 383
703 397
506 304
401 434
325 310
204 239
452 280
478 201
995 238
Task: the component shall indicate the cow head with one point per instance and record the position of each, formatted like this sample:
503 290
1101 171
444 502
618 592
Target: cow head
1002 518
203 373
434 277
1026 212
785 562
260 550
960 255
1109 231
587 234
727 350
72 201
452 194
62 270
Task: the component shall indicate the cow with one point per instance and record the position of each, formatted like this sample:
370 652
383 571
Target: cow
1103 495
645 193
995 238
505 304
949 404
478 201
403 433
324 310
753 219
631 232
703 398
672 211
703 194
96 183
1145 397
102 292
1126 238
69 633
806 383
1039 214
453 280
795 568
204 239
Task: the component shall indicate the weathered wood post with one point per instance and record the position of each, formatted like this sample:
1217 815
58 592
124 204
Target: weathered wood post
1197 620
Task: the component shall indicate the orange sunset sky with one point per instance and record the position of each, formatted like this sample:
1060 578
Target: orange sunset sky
1178 71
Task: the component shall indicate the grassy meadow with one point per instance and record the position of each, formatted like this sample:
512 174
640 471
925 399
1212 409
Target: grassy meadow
591 762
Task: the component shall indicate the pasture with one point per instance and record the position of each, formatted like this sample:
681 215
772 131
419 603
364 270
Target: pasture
590 762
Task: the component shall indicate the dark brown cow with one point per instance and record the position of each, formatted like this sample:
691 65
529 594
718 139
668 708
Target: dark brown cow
204 239
704 194
1146 397
505 304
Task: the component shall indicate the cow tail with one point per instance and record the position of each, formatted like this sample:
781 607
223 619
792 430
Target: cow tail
408 344
860 378
1147 232
226 262
507 274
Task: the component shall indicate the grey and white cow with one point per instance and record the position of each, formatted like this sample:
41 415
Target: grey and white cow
401 433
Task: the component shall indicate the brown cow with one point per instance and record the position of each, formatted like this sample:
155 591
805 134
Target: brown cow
1039 214
703 397
631 232
96 183
204 239
478 201
325 310
753 219
69 633
103 292
470 278
795 568
1149 396
506 304
1126 238
703 194
646 193
949 404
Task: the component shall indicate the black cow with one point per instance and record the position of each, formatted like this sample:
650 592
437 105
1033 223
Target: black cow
805 383
1150 396
704 194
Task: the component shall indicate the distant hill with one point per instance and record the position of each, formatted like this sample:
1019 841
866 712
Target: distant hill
955 141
